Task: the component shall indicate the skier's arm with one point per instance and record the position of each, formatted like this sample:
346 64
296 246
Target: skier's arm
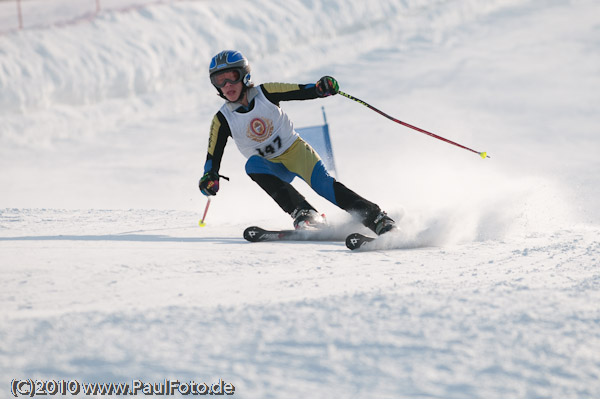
219 133
276 92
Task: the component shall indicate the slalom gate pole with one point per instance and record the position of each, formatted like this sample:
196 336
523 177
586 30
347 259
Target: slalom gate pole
201 222
481 154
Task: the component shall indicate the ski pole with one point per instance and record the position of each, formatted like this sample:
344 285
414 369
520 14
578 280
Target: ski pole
201 222
481 154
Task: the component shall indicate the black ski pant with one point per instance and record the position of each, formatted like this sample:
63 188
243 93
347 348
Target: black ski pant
289 199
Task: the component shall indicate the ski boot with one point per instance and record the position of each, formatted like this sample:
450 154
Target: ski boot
308 219
383 223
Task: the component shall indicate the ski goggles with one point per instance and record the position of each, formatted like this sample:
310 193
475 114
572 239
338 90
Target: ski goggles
232 76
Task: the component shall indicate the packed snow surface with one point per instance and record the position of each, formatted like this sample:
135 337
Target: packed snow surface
491 289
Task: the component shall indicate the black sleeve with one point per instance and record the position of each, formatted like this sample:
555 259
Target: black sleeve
276 92
219 133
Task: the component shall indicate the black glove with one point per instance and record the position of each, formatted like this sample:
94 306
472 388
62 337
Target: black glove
327 86
209 183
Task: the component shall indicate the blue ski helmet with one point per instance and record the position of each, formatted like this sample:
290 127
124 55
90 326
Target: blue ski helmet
230 59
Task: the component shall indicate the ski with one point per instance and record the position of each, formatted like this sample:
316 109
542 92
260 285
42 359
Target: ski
257 234
357 240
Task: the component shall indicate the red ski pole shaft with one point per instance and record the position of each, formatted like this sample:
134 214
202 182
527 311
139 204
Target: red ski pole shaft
418 129
201 222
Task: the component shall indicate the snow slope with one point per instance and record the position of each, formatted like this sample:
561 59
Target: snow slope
490 291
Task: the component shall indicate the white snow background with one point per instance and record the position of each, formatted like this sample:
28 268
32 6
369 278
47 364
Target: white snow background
490 291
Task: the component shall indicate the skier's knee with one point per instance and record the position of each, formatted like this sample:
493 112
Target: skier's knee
256 164
322 182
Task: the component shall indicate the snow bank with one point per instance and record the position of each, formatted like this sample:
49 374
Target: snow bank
121 54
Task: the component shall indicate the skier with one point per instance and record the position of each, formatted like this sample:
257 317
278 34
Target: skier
276 154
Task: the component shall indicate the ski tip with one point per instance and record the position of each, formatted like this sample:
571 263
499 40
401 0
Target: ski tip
253 234
357 240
